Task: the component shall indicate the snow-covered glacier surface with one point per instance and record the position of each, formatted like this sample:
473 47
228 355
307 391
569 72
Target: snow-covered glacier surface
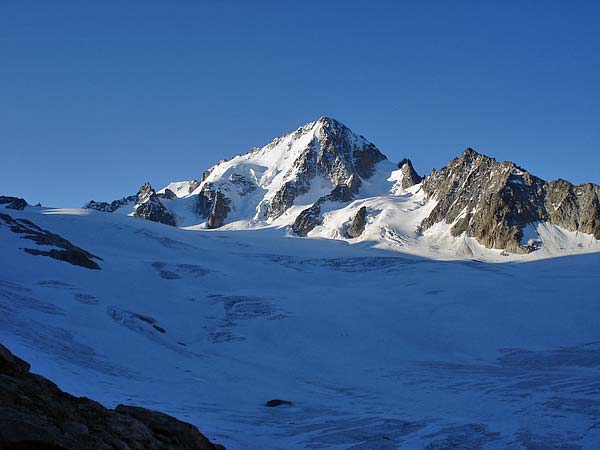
376 349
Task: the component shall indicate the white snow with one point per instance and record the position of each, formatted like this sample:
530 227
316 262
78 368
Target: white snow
377 349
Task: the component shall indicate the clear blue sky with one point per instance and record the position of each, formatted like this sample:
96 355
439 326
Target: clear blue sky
97 97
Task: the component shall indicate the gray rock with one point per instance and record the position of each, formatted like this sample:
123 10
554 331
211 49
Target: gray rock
193 186
213 205
149 207
277 402
493 201
65 251
310 218
36 414
410 177
358 224
112 206
168 194
13 202
243 185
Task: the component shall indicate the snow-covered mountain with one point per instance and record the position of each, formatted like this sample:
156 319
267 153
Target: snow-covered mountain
324 181
311 274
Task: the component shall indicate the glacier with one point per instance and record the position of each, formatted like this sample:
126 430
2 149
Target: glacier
377 346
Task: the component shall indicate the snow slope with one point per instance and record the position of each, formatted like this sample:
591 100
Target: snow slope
376 349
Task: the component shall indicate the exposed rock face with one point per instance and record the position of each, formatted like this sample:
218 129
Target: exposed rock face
410 177
66 250
307 220
193 186
213 205
311 217
36 414
13 202
492 201
334 153
358 224
243 184
168 194
112 206
218 212
149 207
284 197
576 208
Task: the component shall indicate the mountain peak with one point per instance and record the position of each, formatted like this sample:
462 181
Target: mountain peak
469 153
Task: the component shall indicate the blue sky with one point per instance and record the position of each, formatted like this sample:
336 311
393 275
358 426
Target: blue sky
98 97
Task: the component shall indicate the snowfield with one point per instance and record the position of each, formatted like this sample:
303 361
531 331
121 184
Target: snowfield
379 343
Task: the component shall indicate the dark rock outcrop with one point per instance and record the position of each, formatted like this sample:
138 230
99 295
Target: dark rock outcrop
168 194
66 251
284 197
576 208
310 218
149 207
277 402
16 203
36 414
307 220
242 184
112 206
193 186
213 205
410 177
493 201
358 224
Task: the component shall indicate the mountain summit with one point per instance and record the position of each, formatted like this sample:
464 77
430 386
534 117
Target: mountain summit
323 180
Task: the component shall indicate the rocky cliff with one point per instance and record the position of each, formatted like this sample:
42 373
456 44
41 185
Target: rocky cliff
150 207
36 414
493 201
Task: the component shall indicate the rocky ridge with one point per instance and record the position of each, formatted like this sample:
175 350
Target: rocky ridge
36 414
493 201
322 166
112 206
16 203
150 207
63 250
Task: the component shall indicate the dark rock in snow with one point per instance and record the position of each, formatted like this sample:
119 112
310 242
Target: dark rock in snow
243 185
13 202
168 194
213 205
112 206
66 250
219 211
410 177
307 220
277 402
311 217
149 207
36 414
358 224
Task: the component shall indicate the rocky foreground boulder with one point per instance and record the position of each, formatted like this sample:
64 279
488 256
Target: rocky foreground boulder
36 414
